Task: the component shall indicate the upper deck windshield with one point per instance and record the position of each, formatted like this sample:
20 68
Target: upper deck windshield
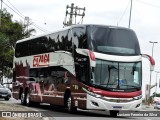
117 76
116 41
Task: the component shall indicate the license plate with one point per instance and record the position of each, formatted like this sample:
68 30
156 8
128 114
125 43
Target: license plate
117 107
3 95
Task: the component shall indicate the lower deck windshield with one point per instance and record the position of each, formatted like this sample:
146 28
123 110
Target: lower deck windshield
117 76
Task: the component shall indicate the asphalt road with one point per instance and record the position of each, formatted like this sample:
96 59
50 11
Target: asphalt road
58 113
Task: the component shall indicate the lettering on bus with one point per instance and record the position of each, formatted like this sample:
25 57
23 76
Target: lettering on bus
41 60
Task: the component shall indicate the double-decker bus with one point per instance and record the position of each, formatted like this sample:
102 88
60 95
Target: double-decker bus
93 67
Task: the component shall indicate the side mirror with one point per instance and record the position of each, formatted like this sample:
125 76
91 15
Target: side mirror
75 34
152 61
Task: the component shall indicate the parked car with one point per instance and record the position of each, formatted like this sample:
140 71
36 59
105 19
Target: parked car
157 105
5 92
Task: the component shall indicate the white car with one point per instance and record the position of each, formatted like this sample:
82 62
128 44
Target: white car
157 105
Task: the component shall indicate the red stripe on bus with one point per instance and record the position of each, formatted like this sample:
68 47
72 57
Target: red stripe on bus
118 94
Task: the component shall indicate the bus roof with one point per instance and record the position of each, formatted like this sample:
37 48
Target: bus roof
69 27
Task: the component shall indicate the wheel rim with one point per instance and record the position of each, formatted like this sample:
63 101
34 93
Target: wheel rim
69 104
27 99
22 98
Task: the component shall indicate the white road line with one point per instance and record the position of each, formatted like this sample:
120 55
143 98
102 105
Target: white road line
147 119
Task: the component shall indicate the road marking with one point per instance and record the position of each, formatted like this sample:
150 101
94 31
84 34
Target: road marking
147 119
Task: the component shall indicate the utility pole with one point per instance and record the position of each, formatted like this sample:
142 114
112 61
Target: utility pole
156 82
1 13
149 91
74 12
130 15
26 22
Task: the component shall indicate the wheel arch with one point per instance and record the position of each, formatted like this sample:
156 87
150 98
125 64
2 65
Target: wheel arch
26 90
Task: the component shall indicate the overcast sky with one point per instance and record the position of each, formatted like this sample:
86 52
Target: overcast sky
144 20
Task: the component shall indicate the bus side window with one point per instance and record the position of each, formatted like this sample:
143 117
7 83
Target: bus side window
22 49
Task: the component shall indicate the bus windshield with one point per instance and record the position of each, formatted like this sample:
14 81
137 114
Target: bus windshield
113 40
117 76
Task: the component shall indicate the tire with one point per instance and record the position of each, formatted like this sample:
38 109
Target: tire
69 104
113 113
30 103
27 98
7 98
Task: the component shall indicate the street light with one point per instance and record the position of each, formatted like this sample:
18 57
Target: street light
156 82
152 46
150 74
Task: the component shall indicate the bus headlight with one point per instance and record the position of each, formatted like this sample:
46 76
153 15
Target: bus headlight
137 97
92 93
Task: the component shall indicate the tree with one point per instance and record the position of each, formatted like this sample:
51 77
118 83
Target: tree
10 32
13 29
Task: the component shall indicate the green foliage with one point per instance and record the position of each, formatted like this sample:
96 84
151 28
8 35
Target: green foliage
10 32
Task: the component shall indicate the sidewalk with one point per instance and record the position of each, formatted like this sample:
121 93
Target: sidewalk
12 107
148 108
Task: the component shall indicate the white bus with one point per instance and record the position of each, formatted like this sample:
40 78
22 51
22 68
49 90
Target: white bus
93 67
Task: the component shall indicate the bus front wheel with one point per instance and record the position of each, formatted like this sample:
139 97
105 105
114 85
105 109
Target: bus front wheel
70 107
28 101
23 101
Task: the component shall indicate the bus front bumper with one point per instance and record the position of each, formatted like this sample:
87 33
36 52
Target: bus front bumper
101 103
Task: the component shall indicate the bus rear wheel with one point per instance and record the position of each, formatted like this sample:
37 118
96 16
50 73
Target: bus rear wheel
70 107
28 101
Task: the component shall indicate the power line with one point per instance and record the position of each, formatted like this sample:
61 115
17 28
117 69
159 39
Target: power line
123 14
39 27
148 3
15 8
22 16
137 1
21 13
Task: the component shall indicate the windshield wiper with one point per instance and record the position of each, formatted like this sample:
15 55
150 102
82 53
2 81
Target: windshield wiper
128 86
107 84
101 85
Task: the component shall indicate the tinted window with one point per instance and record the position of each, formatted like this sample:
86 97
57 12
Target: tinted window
22 49
38 45
60 41
113 40
79 37
53 42
68 41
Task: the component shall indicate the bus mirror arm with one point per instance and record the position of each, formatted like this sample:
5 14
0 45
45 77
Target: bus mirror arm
152 61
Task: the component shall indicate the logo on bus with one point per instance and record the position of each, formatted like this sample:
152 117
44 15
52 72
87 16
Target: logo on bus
41 60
